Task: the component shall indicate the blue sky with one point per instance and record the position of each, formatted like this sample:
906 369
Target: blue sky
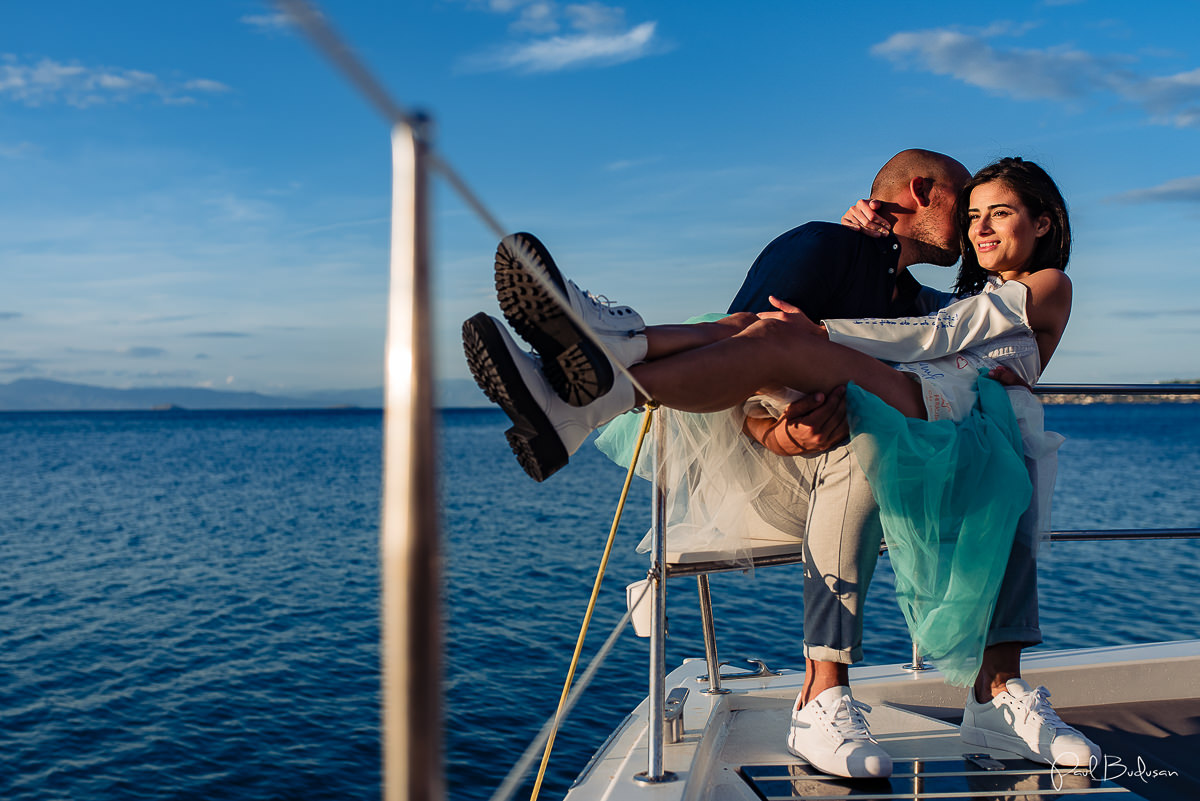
190 195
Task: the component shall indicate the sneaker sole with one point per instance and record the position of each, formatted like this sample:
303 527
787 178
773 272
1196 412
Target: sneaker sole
982 738
836 774
577 370
532 438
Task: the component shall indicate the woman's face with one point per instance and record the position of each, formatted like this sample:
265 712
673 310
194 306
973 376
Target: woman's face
1001 230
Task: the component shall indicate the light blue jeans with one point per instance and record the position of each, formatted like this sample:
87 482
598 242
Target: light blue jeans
841 547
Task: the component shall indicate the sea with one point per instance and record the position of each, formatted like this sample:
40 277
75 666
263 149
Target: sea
189 600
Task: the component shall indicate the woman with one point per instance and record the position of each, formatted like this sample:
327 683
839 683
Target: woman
708 367
1017 242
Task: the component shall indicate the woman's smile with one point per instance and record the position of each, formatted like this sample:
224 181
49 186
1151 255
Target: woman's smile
1002 231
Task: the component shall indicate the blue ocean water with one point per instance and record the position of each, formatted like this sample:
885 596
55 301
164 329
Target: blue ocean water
188 607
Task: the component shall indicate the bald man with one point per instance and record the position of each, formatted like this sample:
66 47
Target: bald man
831 271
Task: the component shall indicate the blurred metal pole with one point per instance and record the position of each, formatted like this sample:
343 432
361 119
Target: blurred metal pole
410 620
656 713
710 637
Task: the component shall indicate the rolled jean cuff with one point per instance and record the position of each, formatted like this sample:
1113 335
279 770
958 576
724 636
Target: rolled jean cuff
823 653
1025 635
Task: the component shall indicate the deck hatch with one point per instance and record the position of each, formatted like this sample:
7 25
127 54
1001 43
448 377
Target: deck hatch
951 779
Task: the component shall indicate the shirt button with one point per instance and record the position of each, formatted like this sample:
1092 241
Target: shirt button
891 270
895 246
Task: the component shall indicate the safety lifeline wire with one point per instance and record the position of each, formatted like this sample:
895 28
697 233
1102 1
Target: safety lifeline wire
326 39
509 786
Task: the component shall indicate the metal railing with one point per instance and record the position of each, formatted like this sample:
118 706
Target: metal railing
1117 389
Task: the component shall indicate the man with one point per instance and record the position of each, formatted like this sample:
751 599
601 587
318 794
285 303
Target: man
831 271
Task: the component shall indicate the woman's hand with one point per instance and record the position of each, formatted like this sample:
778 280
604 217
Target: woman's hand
862 216
1006 377
793 316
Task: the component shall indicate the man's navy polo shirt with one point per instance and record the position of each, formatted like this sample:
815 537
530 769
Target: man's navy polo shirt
830 272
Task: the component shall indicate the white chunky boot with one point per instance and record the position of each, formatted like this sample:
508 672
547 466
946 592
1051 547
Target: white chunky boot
546 430
577 370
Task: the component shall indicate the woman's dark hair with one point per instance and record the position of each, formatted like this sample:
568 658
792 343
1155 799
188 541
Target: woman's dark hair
1039 194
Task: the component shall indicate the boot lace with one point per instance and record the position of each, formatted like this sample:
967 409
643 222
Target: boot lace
601 303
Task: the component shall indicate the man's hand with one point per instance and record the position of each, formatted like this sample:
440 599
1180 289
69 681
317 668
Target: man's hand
810 426
793 316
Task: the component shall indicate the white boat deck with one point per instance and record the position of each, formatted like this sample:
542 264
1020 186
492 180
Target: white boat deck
732 748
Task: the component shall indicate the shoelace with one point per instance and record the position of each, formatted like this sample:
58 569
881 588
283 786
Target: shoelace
1037 702
844 719
600 302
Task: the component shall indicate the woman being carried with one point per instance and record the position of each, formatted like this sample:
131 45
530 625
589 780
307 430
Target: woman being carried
556 402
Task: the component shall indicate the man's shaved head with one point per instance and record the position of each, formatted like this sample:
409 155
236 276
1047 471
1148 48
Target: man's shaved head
919 190
893 179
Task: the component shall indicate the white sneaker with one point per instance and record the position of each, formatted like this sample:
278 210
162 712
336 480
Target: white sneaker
831 733
577 369
546 431
1022 721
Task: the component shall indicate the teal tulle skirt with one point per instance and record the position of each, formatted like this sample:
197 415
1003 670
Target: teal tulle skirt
619 436
949 494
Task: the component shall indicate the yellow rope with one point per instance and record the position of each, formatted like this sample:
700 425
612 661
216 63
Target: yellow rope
587 618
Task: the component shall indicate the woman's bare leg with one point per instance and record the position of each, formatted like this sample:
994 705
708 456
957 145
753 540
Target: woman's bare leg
768 355
665 340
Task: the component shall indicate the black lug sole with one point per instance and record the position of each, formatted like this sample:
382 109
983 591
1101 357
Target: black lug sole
577 370
532 437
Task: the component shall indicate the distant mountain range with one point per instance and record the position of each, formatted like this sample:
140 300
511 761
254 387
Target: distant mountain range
39 394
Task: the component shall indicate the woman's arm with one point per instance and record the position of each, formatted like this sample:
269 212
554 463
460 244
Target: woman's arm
1048 308
866 216
960 325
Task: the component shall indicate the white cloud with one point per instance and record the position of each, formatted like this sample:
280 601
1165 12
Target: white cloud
595 17
205 85
600 37
587 49
1179 189
18 151
537 17
505 6
629 164
1054 73
47 81
268 23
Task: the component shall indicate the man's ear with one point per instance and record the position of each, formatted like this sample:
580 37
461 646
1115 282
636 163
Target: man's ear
920 189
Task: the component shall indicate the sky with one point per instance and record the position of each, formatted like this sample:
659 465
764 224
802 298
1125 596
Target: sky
190 195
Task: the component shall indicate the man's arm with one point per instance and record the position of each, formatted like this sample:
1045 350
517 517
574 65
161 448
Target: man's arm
808 427
795 267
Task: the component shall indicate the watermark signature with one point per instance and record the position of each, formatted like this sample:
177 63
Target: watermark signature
1110 768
